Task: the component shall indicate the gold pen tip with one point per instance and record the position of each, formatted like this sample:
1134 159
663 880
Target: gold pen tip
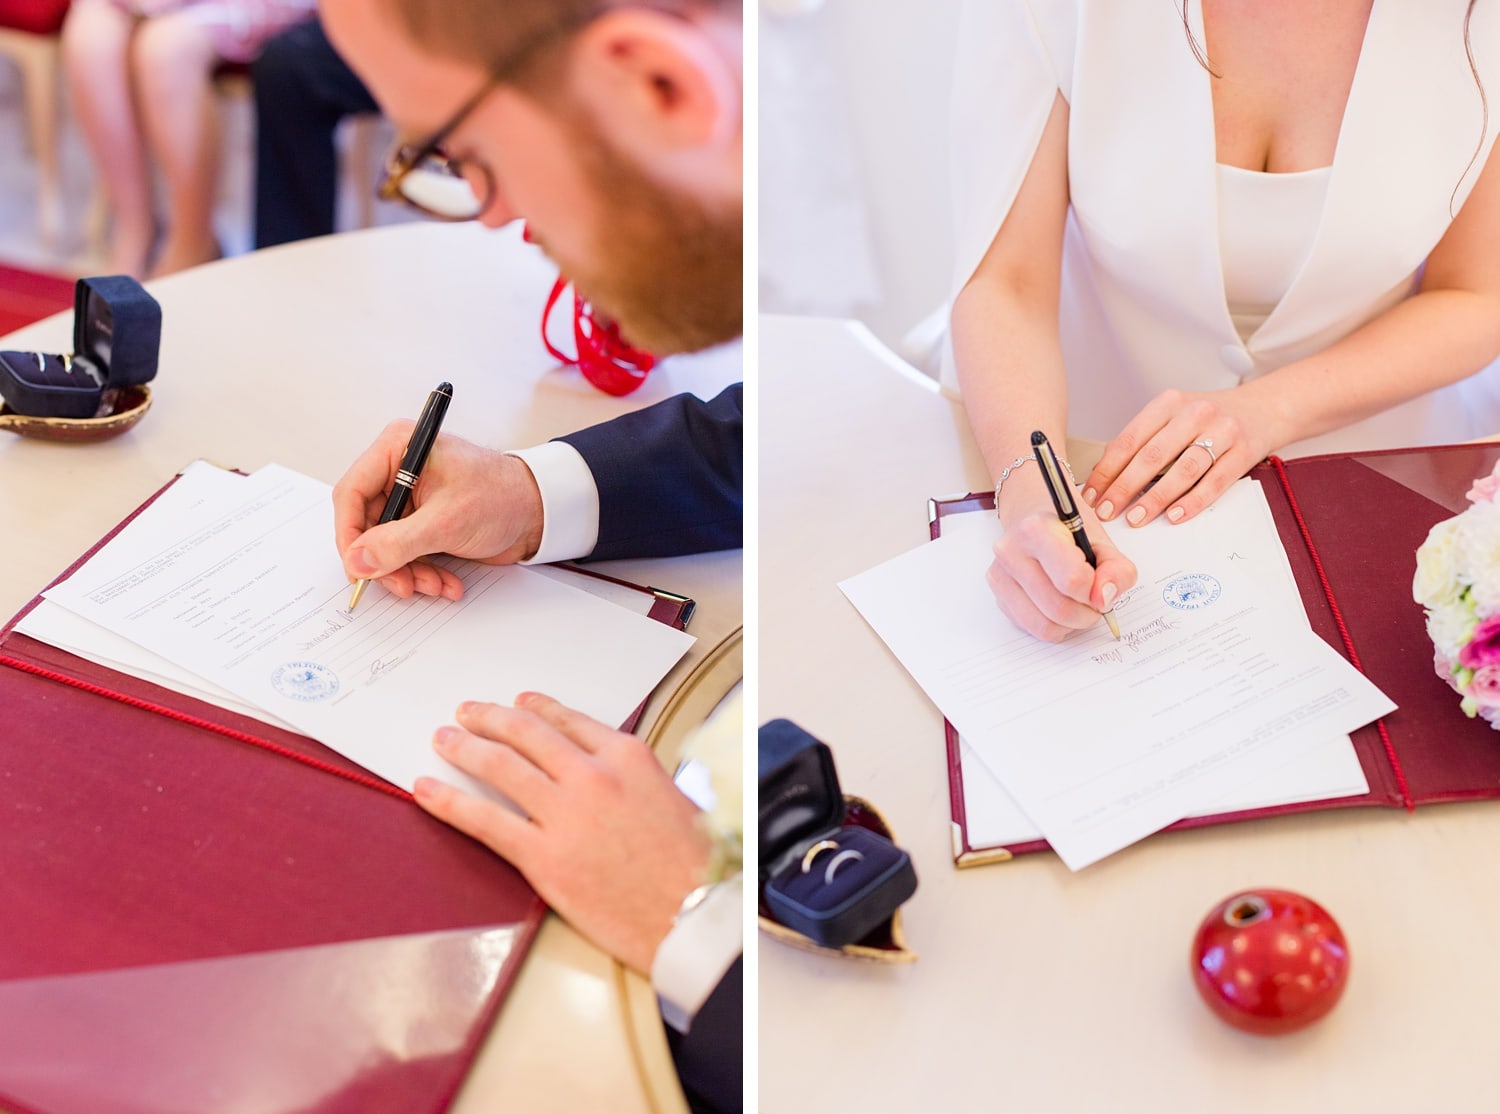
1114 624
361 585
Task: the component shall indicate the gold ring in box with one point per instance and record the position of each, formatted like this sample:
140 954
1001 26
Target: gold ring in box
886 944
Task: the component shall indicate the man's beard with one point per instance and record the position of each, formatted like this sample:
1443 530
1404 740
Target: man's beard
666 268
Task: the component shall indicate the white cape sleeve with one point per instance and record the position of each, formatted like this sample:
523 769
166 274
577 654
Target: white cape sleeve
1014 57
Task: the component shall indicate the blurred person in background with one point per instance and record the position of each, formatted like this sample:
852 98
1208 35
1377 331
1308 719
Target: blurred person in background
303 90
141 77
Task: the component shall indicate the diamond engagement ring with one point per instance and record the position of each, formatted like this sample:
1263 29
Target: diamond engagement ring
1207 445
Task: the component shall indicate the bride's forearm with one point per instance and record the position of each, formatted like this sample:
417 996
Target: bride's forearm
1430 340
1010 366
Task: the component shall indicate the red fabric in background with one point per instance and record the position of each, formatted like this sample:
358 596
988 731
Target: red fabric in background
40 17
27 296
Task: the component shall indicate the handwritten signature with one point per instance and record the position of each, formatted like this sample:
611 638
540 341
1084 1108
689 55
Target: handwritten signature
381 666
1135 639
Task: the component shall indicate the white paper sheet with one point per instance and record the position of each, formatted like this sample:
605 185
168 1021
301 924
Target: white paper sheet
238 582
1215 684
1326 771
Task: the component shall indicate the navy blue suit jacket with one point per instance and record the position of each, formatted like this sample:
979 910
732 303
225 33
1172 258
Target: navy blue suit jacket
669 476
710 1056
670 481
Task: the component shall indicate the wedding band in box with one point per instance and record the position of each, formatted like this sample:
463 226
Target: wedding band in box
832 882
100 389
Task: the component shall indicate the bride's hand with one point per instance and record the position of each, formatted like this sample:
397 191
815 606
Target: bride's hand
1039 576
1198 444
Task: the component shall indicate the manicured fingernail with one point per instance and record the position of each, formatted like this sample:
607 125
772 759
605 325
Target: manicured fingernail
467 708
1109 594
424 787
359 561
1175 514
1089 495
1106 509
443 737
1136 516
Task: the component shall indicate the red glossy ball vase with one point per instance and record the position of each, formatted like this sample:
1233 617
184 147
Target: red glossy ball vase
1270 961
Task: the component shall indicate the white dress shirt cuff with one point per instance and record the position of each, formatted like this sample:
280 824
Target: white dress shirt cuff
570 502
696 953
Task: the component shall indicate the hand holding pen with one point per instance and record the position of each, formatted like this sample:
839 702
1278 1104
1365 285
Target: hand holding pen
417 449
1067 511
1036 577
471 501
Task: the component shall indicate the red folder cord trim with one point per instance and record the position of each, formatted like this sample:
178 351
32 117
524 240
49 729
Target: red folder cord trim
208 725
1338 618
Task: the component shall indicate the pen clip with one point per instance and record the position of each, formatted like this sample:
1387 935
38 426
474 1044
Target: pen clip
1059 488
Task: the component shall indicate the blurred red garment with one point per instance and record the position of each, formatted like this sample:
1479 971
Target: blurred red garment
40 17
26 296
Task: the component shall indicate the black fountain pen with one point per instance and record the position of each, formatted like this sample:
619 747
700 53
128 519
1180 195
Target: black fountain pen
1067 510
411 464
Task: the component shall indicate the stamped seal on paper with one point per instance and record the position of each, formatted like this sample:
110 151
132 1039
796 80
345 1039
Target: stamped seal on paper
1191 592
304 680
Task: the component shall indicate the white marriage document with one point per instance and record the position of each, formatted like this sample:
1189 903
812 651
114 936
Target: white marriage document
238 583
1216 684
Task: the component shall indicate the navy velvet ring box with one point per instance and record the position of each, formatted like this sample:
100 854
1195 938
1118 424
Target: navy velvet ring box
116 339
833 883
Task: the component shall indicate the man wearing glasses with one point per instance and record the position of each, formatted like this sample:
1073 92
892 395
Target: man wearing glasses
613 128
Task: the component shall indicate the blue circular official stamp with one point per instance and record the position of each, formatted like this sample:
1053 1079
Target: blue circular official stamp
1191 592
304 680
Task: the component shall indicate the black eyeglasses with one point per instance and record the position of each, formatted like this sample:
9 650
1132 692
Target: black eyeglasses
428 179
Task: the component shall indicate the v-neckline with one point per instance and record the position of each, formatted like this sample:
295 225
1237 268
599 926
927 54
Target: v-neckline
1340 159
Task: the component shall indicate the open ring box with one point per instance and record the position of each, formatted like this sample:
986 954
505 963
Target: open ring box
829 874
100 390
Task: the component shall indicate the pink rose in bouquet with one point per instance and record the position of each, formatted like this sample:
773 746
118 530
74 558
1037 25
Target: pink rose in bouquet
1457 581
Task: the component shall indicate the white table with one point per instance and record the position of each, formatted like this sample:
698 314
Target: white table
300 355
1039 990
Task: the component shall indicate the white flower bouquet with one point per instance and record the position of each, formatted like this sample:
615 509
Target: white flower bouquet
1458 583
717 746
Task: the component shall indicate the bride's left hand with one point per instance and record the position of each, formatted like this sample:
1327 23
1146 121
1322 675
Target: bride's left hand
1198 443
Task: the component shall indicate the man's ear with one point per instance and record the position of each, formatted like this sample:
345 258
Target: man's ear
661 87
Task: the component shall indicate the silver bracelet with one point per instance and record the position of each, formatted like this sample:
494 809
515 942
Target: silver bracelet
1020 460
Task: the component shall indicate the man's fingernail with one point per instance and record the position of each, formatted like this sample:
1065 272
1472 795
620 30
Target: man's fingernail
1136 516
1089 495
1109 594
359 561
1175 514
1106 509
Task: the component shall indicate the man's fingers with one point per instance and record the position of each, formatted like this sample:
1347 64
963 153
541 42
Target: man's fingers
500 766
588 733
434 580
538 741
361 491
383 549
504 832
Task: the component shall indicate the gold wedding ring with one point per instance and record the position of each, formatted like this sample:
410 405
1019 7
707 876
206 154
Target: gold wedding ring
815 850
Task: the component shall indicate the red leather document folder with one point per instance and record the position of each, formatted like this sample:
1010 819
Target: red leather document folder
143 829
1351 525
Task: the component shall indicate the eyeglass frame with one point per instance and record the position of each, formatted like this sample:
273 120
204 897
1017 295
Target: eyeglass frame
407 157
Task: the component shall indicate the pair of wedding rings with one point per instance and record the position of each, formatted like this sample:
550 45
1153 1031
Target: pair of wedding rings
844 856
